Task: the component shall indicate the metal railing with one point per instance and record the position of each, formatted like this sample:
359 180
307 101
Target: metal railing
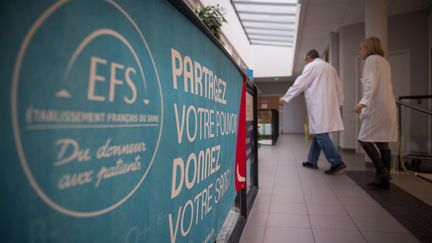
418 160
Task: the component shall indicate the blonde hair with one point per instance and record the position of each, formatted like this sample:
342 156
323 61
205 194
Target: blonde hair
373 46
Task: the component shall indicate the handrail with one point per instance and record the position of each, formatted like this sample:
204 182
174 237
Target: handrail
417 97
414 107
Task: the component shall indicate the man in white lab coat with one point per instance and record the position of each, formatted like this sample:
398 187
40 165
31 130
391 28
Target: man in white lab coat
324 100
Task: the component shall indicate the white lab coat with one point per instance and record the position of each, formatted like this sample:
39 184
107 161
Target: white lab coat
378 118
323 95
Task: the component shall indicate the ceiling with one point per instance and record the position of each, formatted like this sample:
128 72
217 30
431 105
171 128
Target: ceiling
268 23
315 20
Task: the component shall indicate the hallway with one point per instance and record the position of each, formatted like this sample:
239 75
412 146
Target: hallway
296 204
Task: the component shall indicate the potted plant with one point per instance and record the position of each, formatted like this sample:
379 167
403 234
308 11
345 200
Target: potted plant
213 17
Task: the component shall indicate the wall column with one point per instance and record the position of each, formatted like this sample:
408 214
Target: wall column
376 21
334 61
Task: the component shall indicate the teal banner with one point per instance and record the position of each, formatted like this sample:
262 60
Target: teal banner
118 124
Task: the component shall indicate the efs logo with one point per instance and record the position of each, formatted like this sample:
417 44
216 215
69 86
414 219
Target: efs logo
87 107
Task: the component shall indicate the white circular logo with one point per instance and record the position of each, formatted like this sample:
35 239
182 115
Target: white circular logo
87 107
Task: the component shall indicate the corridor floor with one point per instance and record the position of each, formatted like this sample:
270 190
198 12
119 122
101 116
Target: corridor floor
296 204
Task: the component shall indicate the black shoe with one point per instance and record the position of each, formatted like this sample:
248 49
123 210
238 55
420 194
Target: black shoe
335 168
374 183
308 164
379 184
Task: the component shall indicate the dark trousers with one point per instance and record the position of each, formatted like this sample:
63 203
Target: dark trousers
381 159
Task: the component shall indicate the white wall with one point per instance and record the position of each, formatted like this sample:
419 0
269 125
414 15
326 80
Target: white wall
294 115
349 41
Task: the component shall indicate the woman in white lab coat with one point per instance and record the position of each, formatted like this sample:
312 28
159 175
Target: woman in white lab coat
377 110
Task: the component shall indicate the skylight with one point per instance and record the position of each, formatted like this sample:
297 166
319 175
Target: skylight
268 22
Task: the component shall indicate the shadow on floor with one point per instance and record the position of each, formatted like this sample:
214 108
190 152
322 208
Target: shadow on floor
413 213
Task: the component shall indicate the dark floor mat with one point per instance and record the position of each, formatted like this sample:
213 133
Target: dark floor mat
410 211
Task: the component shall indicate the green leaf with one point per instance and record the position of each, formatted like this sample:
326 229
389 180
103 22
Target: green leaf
212 17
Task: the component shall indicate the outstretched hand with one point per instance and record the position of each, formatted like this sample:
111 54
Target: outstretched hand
281 101
358 108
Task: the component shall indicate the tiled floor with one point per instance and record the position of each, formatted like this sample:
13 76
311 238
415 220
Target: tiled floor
296 204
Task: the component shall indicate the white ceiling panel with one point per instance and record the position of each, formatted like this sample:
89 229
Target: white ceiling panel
268 25
318 31
324 14
330 1
271 43
269 17
355 14
264 8
271 38
267 32
266 1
